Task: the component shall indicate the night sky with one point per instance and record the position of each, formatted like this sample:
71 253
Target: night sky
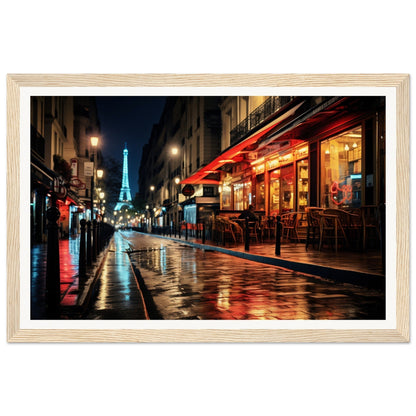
128 119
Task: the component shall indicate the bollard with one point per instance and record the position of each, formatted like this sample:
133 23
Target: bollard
180 229
278 235
53 280
186 231
203 233
98 238
247 237
94 240
82 259
89 255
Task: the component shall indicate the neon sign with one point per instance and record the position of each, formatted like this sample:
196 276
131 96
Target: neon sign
346 191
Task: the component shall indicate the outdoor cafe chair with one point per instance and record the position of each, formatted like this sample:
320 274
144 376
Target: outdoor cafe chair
332 228
313 231
268 227
289 226
370 215
301 227
226 230
238 231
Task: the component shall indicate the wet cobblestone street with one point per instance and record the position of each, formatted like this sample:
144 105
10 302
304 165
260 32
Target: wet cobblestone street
189 283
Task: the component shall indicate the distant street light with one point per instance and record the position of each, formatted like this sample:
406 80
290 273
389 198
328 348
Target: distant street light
100 173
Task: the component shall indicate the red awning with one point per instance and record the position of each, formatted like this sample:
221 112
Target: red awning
287 127
233 154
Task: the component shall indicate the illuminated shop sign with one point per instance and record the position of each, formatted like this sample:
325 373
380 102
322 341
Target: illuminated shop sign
345 191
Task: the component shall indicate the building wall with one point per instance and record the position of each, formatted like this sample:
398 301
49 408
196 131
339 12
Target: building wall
192 126
57 128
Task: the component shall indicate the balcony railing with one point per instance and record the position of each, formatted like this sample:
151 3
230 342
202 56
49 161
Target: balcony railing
37 142
256 117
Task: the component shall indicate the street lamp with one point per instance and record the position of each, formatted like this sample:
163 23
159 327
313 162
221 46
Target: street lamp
178 156
94 144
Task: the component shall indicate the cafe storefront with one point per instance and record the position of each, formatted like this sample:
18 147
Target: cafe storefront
330 155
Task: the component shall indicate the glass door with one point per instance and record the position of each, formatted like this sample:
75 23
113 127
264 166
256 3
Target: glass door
274 203
303 184
286 182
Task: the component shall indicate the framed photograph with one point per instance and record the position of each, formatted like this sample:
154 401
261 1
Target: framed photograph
208 207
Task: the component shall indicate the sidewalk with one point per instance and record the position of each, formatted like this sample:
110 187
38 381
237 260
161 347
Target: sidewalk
112 265
68 258
364 269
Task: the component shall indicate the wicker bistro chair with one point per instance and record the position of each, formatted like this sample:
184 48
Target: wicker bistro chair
226 232
333 223
253 230
289 226
238 232
370 215
268 228
301 227
351 222
313 231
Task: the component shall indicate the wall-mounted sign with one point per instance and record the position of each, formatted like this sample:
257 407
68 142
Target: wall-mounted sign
88 168
188 190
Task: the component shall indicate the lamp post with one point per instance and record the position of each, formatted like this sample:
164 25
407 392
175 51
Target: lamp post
175 151
152 188
94 144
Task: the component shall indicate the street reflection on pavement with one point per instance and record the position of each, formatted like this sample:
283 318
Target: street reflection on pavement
189 283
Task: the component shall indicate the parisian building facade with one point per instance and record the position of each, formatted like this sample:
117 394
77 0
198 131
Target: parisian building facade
186 138
60 131
279 154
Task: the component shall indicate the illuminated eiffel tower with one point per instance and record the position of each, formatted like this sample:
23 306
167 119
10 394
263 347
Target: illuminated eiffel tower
124 200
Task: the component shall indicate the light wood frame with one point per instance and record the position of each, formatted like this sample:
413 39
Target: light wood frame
400 82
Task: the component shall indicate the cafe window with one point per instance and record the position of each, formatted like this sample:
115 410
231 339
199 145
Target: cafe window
242 195
286 181
341 170
260 192
303 184
274 192
226 197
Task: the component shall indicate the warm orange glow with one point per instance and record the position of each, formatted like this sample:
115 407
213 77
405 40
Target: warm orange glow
256 162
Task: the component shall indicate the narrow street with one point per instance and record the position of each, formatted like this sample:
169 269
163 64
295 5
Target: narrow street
182 282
